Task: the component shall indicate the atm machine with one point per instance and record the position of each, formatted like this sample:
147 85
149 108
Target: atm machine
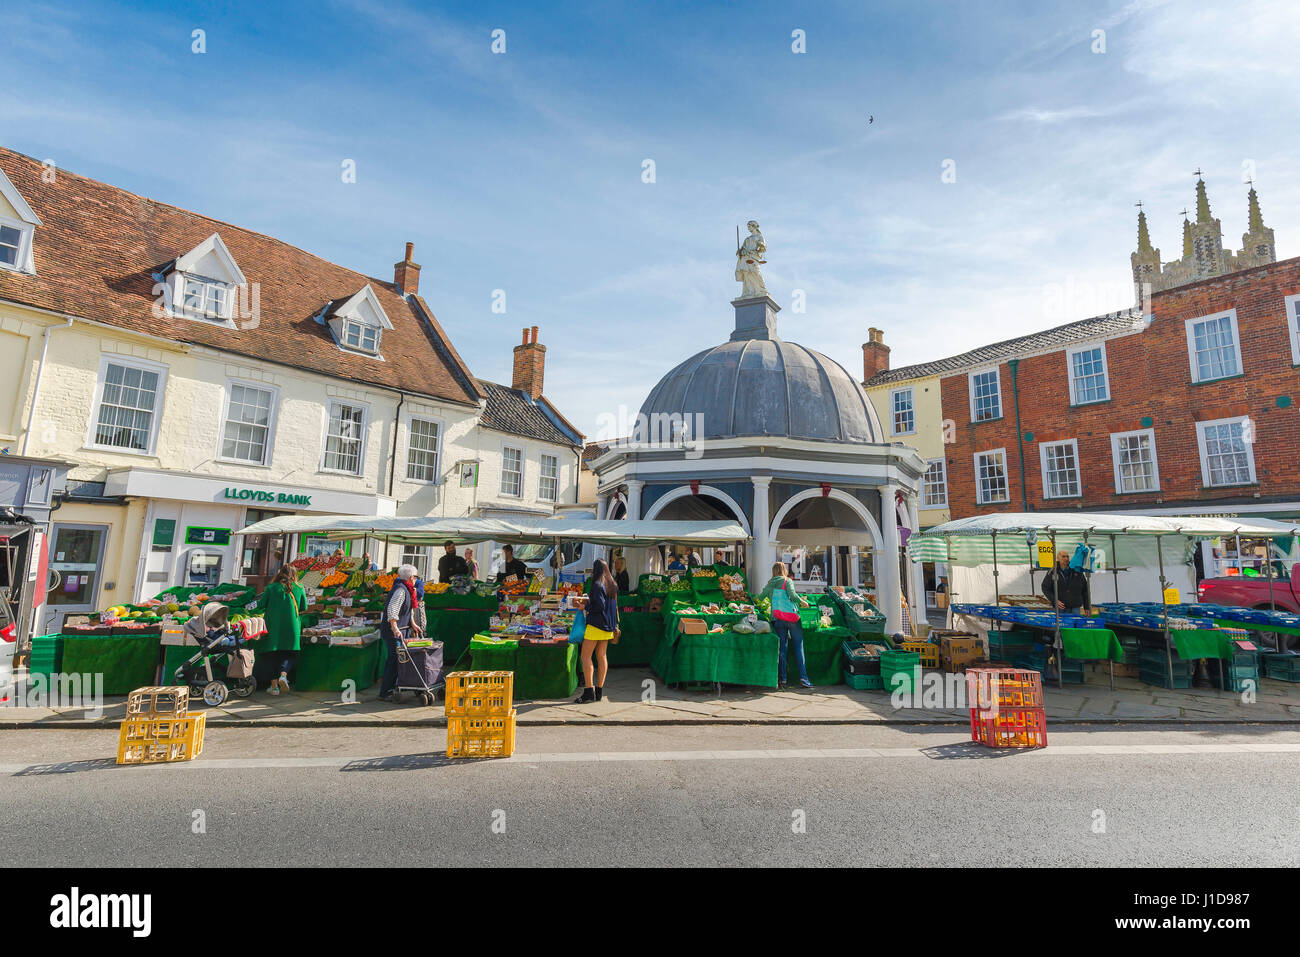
201 567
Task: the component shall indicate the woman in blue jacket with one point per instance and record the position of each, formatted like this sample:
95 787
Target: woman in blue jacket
602 628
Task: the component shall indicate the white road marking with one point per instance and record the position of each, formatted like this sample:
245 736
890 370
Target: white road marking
953 749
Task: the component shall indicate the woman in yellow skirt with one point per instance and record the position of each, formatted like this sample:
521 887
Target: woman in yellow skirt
602 628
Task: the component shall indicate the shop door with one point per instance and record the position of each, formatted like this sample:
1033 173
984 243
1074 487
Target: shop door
78 556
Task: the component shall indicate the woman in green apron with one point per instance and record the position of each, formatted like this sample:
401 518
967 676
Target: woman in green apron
285 601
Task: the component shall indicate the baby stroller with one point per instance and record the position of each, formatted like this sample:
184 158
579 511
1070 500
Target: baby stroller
216 637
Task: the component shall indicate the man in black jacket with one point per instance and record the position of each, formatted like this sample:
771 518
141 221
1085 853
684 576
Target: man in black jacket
1066 588
513 566
451 564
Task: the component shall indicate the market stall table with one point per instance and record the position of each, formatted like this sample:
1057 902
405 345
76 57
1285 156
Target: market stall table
1083 638
126 662
725 657
542 670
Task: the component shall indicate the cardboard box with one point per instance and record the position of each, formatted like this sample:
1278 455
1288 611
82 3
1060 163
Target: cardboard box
692 626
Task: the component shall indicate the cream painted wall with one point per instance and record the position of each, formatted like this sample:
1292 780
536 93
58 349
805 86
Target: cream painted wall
190 426
928 437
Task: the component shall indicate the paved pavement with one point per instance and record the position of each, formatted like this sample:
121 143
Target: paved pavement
626 795
635 696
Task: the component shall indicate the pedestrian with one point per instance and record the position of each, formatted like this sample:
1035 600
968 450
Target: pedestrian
285 602
786 603
1065 587
620 575
602 628
676 564
403 618
367 564
513 566
471 564
450 564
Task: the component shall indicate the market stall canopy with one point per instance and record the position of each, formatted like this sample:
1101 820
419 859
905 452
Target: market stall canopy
464 531
970 541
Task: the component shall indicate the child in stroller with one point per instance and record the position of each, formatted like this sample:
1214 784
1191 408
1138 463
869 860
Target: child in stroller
215 636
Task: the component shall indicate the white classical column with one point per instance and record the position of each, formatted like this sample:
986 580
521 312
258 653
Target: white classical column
602 507
634 487
888 584
760 551
914 569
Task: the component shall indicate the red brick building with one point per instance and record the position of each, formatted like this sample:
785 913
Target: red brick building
1190 409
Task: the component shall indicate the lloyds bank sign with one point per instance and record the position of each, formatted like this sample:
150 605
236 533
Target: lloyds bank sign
260 495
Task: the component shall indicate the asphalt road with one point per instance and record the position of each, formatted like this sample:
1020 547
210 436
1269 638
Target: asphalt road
733 796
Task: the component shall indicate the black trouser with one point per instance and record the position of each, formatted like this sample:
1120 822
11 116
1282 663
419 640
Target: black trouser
288 662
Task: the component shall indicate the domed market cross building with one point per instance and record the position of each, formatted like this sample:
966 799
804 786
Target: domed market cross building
782 440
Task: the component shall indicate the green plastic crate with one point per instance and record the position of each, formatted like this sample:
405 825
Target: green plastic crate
864 682
1281 666
1161 679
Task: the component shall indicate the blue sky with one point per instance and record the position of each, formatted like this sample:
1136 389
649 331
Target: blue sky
522 171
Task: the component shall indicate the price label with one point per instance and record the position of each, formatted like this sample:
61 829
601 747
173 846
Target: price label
345 602
674 578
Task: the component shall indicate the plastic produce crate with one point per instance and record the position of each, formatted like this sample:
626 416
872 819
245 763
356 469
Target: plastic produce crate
1004 687
1283 666
479 692
155 739
928 653
1009 728
158 700
481 736
864 682
1161 678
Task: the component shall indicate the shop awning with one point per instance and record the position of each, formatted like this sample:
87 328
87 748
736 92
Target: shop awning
970 541
465 531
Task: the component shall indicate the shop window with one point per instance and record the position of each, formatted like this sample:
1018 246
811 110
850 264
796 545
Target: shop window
1060 462
934 484
127 405
512 472
1088 380
422 450
903 412
1213 348
548 485
985 395
991 477
344 449
1227 452
246 434
1134 455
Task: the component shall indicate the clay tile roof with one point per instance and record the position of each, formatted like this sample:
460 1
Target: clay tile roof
513 412
100 247
1058 337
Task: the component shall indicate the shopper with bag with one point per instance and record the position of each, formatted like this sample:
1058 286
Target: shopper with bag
786 603
602 628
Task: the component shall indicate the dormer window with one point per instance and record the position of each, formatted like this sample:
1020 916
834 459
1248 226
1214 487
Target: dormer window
203 283
358 322
205 296
357 335
18 223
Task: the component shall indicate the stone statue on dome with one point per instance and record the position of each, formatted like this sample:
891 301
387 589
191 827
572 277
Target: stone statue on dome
748 258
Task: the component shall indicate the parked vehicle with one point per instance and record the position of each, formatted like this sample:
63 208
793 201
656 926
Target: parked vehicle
1253 591
8 645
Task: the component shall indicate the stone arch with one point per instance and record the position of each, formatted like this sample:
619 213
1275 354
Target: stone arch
684 491
838 495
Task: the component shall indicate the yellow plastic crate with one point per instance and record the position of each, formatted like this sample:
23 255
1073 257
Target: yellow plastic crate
481 736
929 653
153 740
479 693
162 700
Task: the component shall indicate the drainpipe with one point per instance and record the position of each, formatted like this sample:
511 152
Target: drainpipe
40 370
397 428
1014 365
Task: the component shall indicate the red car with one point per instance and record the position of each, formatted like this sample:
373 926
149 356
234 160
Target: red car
1253 592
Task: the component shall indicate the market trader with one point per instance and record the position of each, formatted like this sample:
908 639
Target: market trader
404 618
513 566
451 564
1065 587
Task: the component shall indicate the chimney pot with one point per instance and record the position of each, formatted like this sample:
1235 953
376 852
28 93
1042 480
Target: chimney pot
525 339
536 338
410 251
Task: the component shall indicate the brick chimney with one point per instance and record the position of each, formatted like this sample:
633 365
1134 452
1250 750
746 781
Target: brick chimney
406 274
530 364
875 355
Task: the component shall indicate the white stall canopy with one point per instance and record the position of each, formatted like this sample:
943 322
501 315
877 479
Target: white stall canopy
416 530
971 541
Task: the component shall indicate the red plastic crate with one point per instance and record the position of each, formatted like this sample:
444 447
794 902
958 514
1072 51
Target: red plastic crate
1009 727
989 688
